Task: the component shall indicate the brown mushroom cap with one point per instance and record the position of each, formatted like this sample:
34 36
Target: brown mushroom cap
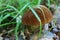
29 19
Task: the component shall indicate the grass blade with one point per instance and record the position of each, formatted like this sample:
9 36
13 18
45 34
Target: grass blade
48 4
38 18
36 15
39 2
7 24
21 10
17 26
6 16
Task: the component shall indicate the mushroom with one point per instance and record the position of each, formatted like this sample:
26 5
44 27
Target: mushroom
31 21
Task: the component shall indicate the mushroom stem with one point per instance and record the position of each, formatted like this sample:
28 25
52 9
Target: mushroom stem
46 27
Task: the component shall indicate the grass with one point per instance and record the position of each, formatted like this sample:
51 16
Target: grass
16 8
